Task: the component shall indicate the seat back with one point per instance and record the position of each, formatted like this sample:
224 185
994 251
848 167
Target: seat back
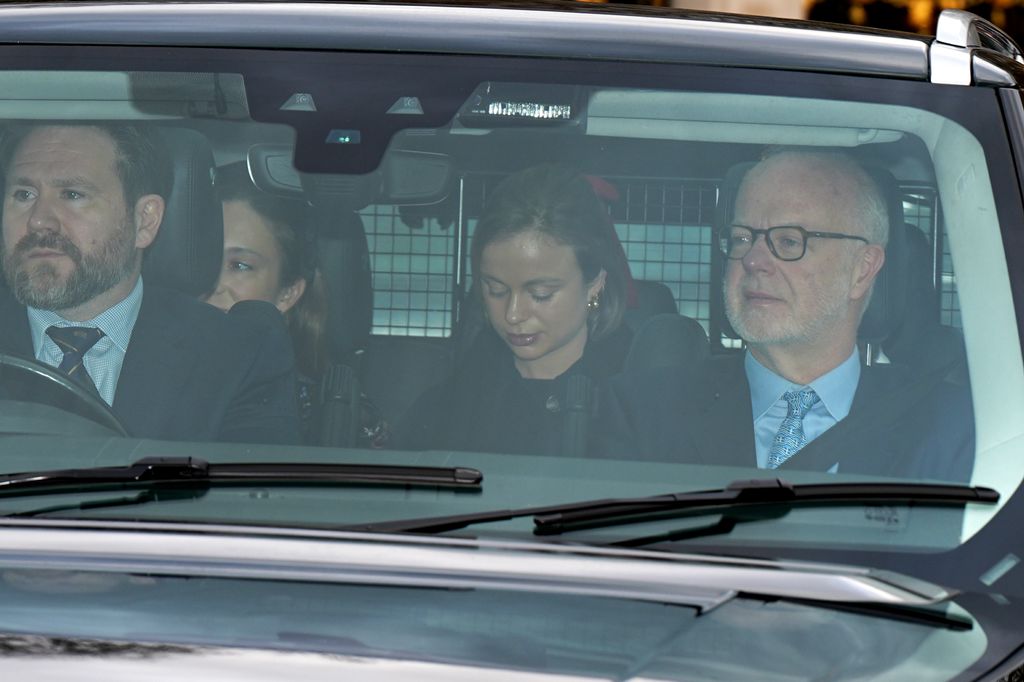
344 262
336 244
668 340
920 339
888 306
724 211
396 370
652 299
188 250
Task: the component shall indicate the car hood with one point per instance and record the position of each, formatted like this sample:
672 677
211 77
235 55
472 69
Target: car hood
234 599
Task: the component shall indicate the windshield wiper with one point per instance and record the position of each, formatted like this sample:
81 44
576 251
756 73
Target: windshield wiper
766 498
194 473
180 478
757 499
158 493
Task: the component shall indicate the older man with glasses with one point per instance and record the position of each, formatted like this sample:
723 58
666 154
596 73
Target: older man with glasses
802 252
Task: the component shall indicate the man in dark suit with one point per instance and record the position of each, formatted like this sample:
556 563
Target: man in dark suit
81 204
806 243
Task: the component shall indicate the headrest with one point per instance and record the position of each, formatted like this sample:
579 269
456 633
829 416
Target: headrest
668 340
189 247
344 262
652 298
920 339
888 299
724 212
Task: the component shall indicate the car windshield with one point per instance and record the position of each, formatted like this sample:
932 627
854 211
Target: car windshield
585 281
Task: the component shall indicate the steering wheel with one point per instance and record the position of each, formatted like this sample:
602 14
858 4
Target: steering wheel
28 381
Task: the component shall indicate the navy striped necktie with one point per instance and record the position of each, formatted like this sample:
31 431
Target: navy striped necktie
75 342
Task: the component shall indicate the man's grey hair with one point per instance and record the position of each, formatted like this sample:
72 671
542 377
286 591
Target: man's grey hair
872 208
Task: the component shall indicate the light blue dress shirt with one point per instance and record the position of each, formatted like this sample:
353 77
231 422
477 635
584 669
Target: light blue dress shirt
104 360
835 389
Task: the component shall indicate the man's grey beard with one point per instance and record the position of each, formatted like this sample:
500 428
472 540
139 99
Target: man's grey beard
40 285
822 310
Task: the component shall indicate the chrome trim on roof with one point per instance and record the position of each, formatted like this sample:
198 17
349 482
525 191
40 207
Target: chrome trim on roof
990 74
950 65
963 29
687 37
958 36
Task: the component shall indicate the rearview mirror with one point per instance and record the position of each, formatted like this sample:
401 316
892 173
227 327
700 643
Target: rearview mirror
405 178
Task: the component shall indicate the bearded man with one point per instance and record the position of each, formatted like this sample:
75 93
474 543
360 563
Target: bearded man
802 253
81 204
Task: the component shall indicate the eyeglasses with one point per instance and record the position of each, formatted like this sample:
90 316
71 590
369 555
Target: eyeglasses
786 242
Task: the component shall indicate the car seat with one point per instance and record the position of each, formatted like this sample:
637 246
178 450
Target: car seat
337 240
920 339
188 250
667 340
652 298
344 262
888 305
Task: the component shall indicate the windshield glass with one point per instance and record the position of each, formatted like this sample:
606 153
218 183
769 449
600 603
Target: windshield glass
582 282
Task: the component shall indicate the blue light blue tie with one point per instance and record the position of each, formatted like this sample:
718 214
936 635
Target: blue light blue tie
790 437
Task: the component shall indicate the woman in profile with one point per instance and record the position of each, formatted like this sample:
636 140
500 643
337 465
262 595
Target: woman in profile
266 259
550 278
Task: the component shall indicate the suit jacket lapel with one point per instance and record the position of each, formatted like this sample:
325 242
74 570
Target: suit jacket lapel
722 431
155 369
15 337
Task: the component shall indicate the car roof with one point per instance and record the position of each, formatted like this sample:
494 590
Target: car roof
538 29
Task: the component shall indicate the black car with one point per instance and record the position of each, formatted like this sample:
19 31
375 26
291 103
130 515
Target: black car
355 419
